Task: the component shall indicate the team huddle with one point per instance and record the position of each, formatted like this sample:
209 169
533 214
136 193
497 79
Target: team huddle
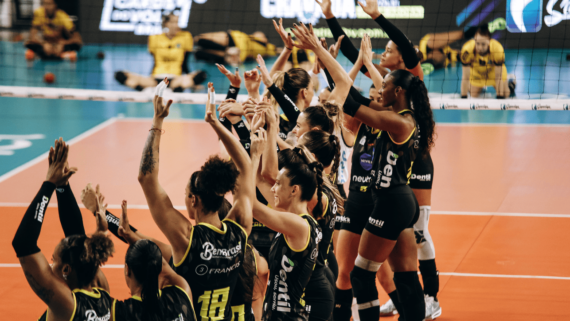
290 245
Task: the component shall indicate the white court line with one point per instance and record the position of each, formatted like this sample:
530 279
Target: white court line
183 207
43 156
498 125
477 275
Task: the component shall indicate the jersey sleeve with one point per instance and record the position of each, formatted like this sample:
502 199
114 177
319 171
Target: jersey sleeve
152 44
497 53
38 17
188 42
65 20
467 53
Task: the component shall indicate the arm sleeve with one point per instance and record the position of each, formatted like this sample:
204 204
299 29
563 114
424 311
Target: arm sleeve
350 106
355 94
113 223
241 130
26 239
232 94
404 44
329 79
287 105
69 212
346 46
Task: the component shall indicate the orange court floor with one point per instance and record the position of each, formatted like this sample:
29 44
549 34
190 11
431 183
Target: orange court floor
500 212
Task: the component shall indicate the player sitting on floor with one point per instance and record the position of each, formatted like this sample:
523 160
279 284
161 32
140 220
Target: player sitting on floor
53 34
233 47
170 50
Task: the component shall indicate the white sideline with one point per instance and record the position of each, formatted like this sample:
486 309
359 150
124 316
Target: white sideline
437 101
69 142
508 276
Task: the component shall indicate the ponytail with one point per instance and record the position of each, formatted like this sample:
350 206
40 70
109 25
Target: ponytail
317 168
144 259
335 141
418 96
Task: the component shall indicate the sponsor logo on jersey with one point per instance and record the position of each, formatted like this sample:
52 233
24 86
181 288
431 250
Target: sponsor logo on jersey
343 219
362 140
375 222
280 296
41 209
360 179
241 124
423 178
91 315
366 161
225 270
385 177
211 252
142 17
314 253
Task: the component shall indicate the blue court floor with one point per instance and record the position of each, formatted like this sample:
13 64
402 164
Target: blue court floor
540 73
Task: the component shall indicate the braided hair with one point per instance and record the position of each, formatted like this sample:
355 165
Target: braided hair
417 96
86 254
144 259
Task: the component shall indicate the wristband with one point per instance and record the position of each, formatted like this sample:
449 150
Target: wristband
463 97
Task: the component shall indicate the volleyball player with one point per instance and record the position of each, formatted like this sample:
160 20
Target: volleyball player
208 254
53 34
483 60
232 47
170 50
65 286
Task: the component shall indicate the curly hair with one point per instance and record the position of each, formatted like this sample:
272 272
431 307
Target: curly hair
214 179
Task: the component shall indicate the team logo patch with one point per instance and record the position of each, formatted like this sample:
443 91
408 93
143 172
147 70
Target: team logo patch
201 269
366 161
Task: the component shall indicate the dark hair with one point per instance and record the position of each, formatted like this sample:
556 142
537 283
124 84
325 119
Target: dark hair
214 179
318 116
166 18
483 30
417 96
248 275
144 259
86 254
292 81
308 175
372 87
224 209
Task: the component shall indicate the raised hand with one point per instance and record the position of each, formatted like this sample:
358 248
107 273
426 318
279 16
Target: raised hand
160 109
230 107
264 72
286 37
89 197
59 171
258 142
252 81
326 7
235 79
249 107
124 227
371 8
306 37
334 49
101 214
211 105
366 50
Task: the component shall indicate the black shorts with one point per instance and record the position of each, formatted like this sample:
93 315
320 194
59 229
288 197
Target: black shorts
357 209
395 209
422 173
319 295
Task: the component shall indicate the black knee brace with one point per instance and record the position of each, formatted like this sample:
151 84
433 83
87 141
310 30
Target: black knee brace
430 276
342 305
366 293
411 295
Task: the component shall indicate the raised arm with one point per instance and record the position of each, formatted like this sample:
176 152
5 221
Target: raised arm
270 162
293 226
245 190
288 43
366 50
308 40
48 287
171 222
252 82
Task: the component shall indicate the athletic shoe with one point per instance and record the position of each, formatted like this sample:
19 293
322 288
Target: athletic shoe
69 55
388 309
30 55
433 310
512 83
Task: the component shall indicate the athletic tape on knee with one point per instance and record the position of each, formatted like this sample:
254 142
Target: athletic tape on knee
160 89
426 250
367 264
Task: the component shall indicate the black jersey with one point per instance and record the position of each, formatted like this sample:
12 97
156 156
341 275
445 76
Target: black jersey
289 273
175 305
211 267
326 224
362 157
95 305
393 160
241 303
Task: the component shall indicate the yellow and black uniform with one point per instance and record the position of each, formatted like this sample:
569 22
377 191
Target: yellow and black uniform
175 305
483 66
170 55
94 305
449 53
211 267
250 46
299 56
422 172
289 274
395 206
359 205
241 304
319 293
52 27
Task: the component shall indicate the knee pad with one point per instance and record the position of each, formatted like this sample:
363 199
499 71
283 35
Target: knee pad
200 77
121 77
411 295
426 249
